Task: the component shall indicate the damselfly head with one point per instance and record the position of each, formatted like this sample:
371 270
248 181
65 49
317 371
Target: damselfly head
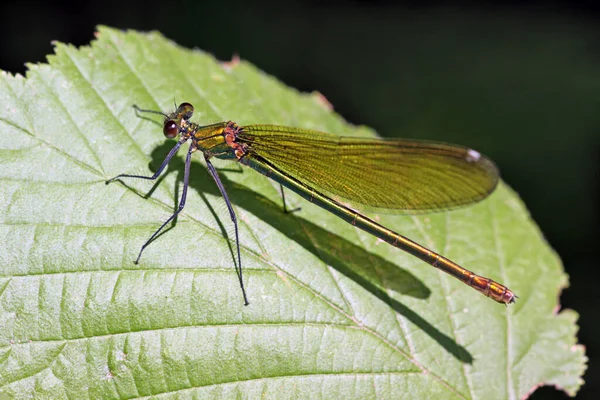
173 121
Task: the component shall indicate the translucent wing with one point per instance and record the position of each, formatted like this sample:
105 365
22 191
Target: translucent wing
383 175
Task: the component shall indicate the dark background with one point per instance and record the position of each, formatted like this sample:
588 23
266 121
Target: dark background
518 80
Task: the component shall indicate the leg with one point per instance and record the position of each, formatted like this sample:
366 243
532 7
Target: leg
158 172
285 210
215 176
186 180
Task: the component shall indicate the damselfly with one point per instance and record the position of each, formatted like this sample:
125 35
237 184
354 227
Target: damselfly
343 175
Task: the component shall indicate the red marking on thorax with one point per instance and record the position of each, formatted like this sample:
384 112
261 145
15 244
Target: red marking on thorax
230 132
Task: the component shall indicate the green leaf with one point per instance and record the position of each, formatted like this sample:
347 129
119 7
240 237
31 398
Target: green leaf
334 313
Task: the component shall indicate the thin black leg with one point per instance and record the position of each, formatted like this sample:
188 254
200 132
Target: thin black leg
285 209
215 176
158 172
186 180
140 110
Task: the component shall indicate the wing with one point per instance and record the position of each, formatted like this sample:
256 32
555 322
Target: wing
376 174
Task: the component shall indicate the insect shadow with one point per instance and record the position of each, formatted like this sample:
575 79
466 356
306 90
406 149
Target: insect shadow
369 270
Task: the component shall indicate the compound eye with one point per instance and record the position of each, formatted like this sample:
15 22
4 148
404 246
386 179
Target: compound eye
171 129
185 110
